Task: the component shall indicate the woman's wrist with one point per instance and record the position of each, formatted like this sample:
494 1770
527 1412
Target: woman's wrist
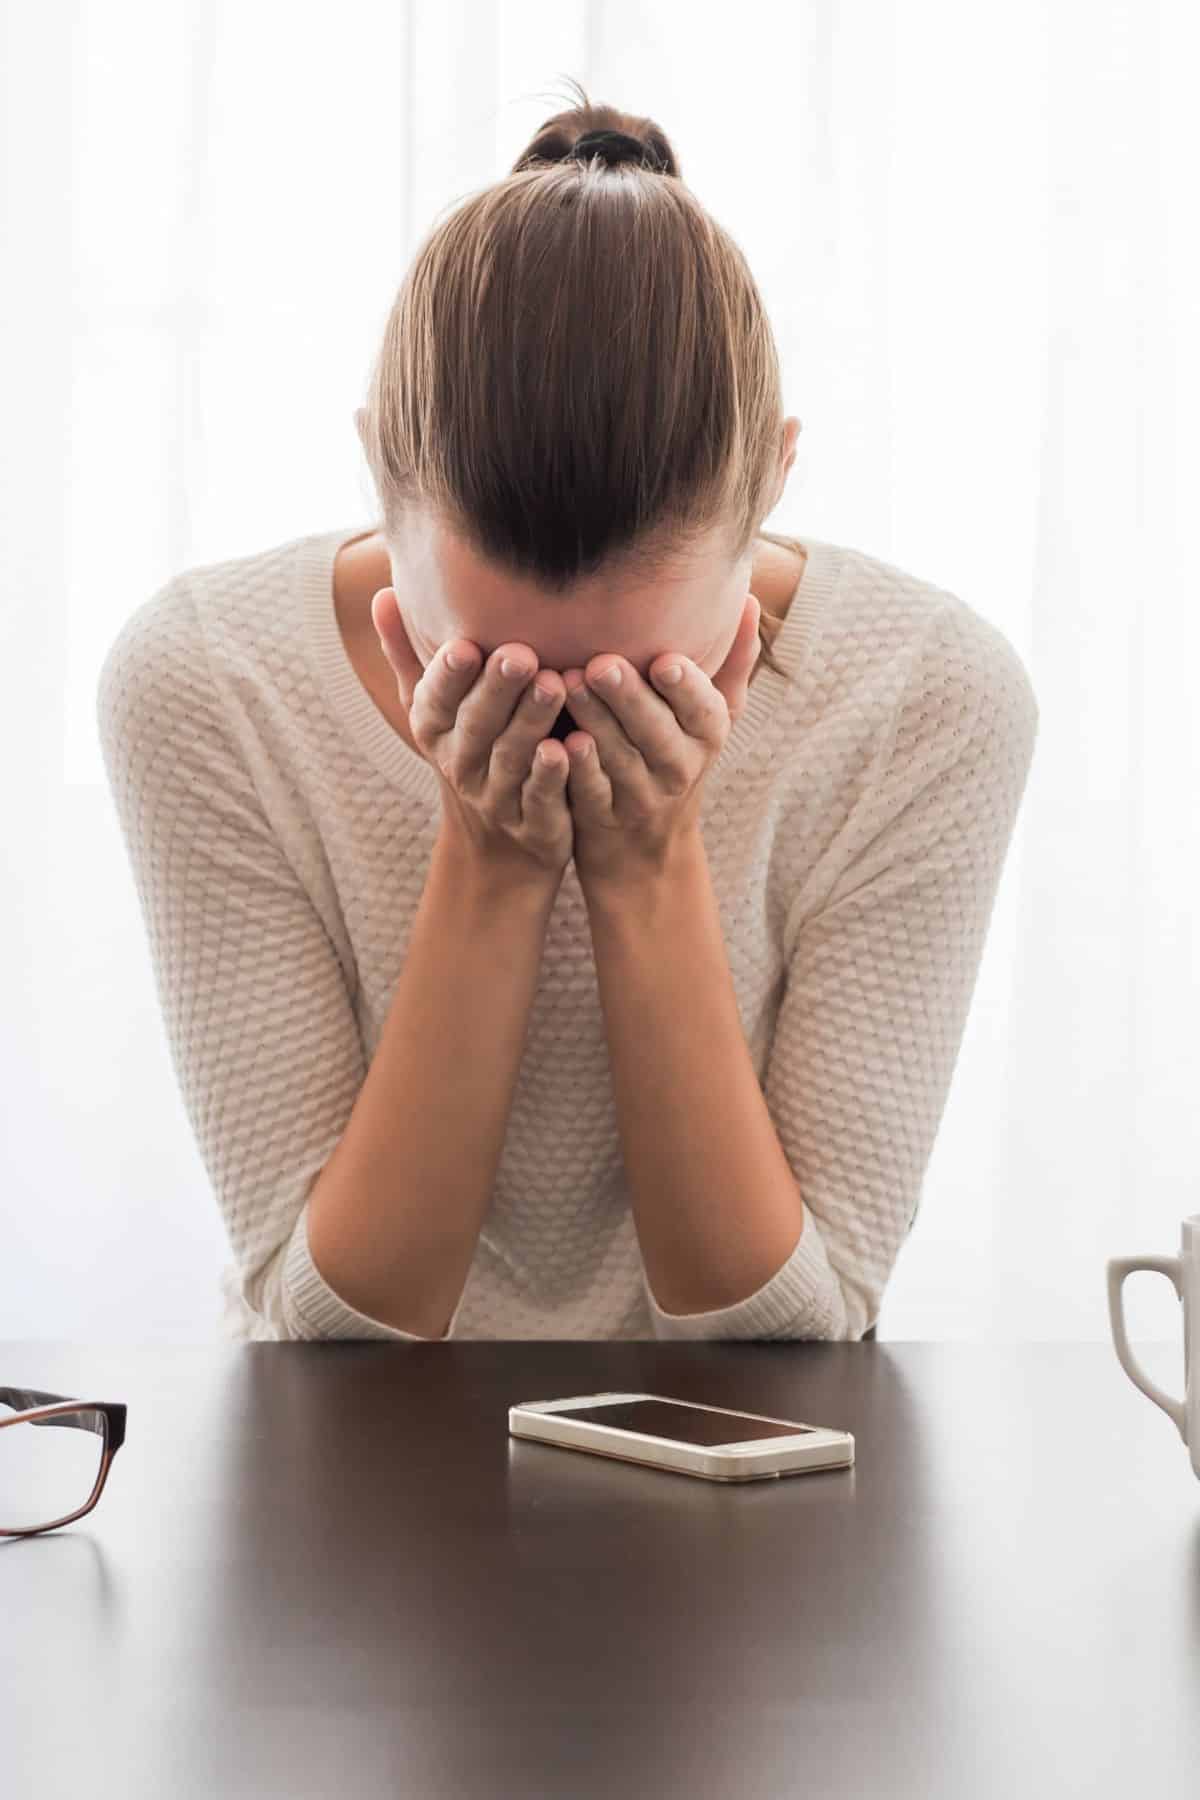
486 875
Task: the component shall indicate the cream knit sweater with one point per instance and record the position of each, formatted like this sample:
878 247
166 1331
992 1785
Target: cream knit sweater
279 833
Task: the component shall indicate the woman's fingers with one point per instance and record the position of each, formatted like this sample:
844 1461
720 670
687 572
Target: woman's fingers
406 665
732 679
444 687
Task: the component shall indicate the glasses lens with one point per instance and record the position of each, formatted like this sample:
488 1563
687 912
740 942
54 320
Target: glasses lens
48 1467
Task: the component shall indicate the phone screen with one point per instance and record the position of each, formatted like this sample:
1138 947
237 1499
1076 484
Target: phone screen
687 1424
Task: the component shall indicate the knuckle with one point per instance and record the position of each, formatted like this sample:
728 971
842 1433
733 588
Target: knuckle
423 737
472 731
625 751
453 774
508 761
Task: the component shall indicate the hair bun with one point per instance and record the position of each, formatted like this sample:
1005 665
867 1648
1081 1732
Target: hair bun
616 147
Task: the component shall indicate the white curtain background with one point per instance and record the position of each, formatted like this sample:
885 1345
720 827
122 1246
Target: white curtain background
974 229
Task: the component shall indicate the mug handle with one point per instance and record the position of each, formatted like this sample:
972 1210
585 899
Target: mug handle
1118 1268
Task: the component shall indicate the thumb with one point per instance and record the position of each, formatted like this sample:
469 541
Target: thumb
732 679
405 663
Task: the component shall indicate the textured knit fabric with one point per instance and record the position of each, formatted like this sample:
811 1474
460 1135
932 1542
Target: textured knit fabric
280 831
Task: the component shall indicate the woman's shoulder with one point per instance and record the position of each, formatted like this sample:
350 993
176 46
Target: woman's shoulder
886 613
896 658
155 647
238 619
200 653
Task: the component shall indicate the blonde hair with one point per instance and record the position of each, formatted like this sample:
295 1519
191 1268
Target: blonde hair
578 369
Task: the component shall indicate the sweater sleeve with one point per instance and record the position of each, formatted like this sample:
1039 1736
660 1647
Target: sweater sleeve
880 980
260 1027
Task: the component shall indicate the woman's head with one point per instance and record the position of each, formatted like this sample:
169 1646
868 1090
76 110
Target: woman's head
574 421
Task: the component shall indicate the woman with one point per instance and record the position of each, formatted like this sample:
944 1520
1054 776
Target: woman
622 1013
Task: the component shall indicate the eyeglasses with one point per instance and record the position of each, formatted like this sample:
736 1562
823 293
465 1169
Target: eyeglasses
55 1455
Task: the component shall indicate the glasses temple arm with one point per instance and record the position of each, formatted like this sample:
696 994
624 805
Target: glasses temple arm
21 1399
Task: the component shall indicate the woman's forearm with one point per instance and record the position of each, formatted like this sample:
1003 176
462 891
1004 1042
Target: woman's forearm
717 1209
395 1216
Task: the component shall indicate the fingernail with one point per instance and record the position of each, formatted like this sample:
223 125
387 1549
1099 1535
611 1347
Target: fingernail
670 676
611 677
454 662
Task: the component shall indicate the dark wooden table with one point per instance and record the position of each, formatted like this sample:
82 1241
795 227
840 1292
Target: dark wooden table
326 1570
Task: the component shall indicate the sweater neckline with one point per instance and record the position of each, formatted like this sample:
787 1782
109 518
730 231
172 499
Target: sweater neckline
410 774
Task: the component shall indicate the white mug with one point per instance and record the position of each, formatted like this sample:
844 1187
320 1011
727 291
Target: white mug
1184 1271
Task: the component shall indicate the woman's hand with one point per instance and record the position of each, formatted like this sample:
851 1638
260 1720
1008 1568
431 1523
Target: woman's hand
485 733
637 791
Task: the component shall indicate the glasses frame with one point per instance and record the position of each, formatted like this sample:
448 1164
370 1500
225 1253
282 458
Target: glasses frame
35 1408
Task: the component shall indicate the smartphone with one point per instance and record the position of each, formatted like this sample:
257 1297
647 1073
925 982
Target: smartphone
683 1435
